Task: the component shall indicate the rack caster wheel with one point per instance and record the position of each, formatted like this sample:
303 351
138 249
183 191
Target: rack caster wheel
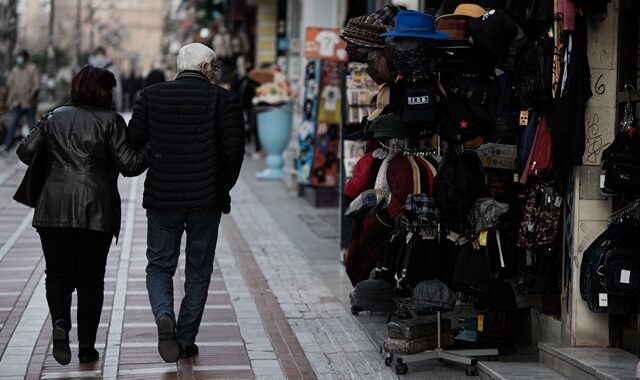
355 310
472 370
402 369
388 360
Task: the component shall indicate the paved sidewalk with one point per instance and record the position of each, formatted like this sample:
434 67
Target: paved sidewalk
277 305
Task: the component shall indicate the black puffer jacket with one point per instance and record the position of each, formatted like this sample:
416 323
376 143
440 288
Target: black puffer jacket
86 148
196 131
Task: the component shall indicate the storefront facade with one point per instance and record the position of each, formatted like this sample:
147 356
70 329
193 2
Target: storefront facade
585 211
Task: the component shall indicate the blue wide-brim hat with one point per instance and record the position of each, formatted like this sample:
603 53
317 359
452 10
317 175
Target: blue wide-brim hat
415 24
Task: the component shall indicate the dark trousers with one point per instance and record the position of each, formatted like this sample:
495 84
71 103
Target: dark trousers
76 259
16 115
164 233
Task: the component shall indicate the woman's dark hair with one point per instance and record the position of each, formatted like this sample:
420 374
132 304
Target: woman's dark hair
93 86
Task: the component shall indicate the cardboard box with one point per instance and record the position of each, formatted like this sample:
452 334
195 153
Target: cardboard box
498 156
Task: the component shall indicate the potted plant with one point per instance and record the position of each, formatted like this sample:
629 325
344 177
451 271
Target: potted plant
273 107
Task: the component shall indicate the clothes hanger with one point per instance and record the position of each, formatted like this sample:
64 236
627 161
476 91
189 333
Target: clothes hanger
628 121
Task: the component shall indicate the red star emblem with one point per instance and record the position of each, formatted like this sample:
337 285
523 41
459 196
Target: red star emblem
464 124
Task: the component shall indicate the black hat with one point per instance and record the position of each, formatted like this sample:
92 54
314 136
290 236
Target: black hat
422 103
495 30
471 90
504 126
462 124
388 126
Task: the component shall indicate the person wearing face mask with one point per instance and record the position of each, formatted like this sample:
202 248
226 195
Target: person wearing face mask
23 85
196 134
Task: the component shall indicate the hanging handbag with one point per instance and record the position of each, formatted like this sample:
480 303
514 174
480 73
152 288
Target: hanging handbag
472 270
622 173
540 158
591 282
29 189
541 218
622 271
620 162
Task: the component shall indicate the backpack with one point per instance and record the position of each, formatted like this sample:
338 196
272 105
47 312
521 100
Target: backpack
622 271
420 262
472 270
458 184
541 218
594 274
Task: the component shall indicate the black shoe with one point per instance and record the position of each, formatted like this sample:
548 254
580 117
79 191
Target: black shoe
167 344
88 354
189 351
61 349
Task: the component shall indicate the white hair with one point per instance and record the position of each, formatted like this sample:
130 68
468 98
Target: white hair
193 56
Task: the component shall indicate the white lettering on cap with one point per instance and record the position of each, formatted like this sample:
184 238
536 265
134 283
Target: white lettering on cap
414 100
488 14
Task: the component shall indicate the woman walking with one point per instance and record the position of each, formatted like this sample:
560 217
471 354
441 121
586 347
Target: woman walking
77 213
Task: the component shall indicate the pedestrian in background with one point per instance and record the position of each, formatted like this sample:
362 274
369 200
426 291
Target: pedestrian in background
101 60
156 75
78 210
196 132
23 85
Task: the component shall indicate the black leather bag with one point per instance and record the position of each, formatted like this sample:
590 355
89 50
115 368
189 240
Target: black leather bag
592 269
623 173
472 271
621 165
33 180
622 272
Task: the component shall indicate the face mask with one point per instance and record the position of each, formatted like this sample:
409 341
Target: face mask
414 63
19 60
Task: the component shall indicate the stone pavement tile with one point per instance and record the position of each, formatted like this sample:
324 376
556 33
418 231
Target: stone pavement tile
324 328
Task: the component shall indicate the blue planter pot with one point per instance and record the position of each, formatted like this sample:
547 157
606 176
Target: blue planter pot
274 132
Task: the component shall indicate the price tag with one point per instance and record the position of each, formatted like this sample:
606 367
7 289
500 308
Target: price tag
516 177
602 181
480 322
603 300
453 236
625 276
558 201
524 118
482 239
409 236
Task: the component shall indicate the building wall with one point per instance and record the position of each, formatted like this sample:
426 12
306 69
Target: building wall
266 31
591 210
143 20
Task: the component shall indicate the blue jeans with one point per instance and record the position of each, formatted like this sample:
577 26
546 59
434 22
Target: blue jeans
16 115
164 233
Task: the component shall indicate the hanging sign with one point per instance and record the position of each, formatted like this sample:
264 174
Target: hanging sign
325 44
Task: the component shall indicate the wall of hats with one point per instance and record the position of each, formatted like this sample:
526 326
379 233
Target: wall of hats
477 122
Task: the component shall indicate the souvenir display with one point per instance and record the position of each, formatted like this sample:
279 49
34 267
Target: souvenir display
306 132
460 179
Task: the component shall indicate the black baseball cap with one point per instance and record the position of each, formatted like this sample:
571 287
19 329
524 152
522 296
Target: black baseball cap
461 124
495 30
422 103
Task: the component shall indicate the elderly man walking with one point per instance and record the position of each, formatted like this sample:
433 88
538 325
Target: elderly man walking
196 135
